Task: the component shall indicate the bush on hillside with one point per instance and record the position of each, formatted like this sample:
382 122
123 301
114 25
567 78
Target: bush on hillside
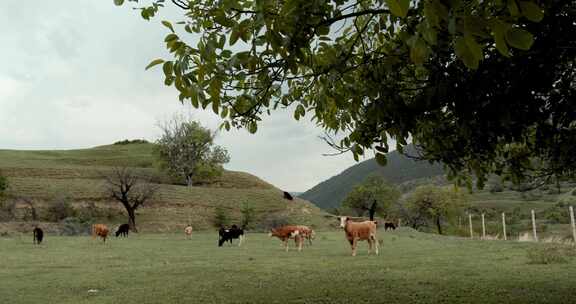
221 217
59 209
274 221
72 226
129 142
91 212
7 210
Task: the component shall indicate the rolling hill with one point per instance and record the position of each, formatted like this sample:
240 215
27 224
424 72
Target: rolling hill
331 192
45 176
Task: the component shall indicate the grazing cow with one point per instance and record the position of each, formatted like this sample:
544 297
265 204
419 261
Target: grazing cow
285 233
123 230
359 231
229 234
307 233
188 232
38 235
288 196
389 225
100 230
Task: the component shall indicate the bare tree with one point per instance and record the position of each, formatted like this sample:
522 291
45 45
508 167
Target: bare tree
132 191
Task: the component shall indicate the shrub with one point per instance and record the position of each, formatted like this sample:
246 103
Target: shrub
60 209
274 221
74 226
248 214
547 254
220 217
128 142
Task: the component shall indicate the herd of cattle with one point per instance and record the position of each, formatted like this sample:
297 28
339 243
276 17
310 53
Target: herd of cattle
354 232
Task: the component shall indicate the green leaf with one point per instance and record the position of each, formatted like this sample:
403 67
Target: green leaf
252 127
381 159
167 67
499 30
513 8
399 7
118 2
467 54
168 25
234 36
153 63
418 51
519 38
531 11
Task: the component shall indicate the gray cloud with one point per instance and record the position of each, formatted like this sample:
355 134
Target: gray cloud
73 76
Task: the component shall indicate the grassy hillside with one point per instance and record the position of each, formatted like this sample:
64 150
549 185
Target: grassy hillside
44 176
331 192
164 268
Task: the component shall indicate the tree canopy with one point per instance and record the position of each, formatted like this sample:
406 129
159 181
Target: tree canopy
481 86
432 203
186 150
374 190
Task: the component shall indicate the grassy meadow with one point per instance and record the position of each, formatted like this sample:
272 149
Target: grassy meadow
413 267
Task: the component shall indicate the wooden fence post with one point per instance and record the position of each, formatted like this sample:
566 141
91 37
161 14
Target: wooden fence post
534 226
504 224
483 228
470 222
573 223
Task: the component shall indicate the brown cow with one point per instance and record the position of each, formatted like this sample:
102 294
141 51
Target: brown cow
307 233
100 230
285 233
363 231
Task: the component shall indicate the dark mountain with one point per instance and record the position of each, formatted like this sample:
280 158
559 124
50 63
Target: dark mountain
400 169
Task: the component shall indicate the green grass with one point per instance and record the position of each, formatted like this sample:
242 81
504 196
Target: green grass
165 268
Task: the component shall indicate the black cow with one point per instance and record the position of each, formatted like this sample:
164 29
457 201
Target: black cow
288 196
38 235
229 234
389 226
123 230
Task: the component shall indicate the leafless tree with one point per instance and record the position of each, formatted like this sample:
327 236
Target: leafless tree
131 190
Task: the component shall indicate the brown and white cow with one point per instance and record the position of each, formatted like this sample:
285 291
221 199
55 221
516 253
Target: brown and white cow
286 233
188 232
307 233
100 230
359 231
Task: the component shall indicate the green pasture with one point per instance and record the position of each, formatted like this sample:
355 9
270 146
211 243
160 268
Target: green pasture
165 268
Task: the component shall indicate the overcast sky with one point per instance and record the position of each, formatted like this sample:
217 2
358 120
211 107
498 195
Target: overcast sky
72 76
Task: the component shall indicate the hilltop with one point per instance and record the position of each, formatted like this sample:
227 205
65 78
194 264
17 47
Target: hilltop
42 176
331 192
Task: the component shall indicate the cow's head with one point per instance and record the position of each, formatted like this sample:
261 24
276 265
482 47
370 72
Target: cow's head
272 232
343 220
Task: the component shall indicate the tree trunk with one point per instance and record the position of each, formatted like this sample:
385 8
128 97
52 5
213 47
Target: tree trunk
439 225
132 219
189 180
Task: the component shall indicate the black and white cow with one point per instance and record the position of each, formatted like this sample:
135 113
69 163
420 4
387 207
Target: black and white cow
229 234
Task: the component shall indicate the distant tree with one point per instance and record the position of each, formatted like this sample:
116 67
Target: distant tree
248 213
220 217
187 151
373 189
434 203
131 190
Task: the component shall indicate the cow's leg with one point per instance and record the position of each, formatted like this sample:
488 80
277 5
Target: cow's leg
240 238
375 240
369 245
354 243
300 241
286 244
